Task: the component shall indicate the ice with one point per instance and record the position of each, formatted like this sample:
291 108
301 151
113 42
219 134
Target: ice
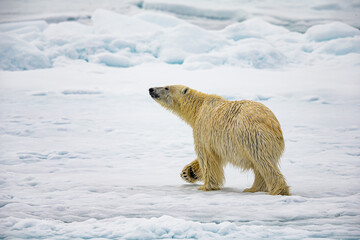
188 10
14 27
162 20
341 46
255 53
119 40
86 153
59 11
329 6
253 28
66 30
68 92
17 54
186 40
296 16
107 22
330 31
112 60
164 227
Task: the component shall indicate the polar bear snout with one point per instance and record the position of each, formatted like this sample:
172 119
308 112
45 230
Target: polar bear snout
153 93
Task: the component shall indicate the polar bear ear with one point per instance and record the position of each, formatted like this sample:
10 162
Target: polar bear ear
185 90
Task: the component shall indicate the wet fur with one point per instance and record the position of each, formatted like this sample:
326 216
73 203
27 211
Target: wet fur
243 133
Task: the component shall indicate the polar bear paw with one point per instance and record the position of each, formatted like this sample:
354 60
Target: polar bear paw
206 188
189 175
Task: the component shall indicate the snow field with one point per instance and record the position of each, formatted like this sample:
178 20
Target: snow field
87 153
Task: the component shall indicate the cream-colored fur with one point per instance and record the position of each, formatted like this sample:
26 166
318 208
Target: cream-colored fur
243 133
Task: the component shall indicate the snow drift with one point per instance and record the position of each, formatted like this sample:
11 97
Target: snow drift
118 40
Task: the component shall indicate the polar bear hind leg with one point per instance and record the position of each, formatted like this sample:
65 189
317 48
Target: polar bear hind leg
275 181
259 184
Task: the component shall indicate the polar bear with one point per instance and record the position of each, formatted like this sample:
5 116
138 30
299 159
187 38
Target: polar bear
243 133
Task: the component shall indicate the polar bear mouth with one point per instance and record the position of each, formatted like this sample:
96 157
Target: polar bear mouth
154 95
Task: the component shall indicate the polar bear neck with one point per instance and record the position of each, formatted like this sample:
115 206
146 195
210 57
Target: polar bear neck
190 105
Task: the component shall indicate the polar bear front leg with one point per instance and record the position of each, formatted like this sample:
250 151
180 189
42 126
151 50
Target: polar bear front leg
213 172
191 173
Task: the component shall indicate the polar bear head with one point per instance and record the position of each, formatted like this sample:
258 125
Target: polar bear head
169 97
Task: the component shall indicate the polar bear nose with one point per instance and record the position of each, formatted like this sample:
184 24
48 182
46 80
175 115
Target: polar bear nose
153 93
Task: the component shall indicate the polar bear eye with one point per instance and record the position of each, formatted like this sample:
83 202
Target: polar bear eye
166 88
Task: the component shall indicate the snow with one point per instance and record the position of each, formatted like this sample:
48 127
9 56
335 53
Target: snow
330 31
253 28
17 54
119 40
297 16
187 9
86 153
165 227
